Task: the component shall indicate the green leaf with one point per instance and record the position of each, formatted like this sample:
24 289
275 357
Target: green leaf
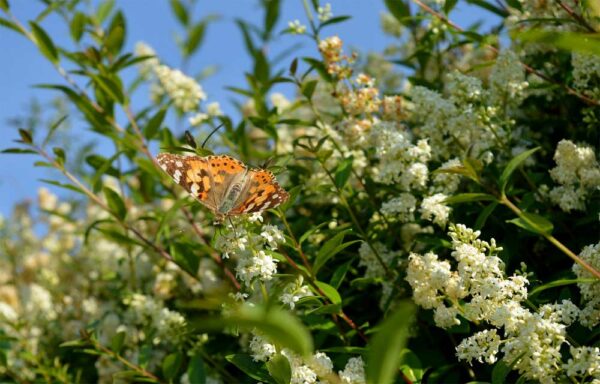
195 38
103 167
343 172
25 136
111 86
308 88
512 166
44 43
489 7
411 366
311 230
104 9
4 5
250 367
399 9
171 365
115 37
61 185
10 25
294 66
279 369
331 248
115 203
335 20
468 197
533 223
184 256
117 341
279 326
154 123
196 371
77 26
53 128
483 216
501 370
271 16
18 150
331 293
60 155
558 283
449 6
386 346
180 12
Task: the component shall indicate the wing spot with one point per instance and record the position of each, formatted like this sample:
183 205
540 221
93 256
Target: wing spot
179 164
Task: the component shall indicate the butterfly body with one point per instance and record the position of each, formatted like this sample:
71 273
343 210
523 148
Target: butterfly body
223 184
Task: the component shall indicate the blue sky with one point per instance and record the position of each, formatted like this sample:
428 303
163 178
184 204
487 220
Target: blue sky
152 22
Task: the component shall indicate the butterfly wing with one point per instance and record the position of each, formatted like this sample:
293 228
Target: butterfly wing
261 192
193 173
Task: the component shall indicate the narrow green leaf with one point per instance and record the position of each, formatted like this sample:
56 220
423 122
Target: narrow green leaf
488 6
411 366
343 172
512 166
60 155
328 251
385 347
53 128
250 367
115 203
77 26
10 25
279 369
310 231
331 293
195 38
111 86
279 326
104 9
558 283
184 256
501 370
196 371
308 88
44 42
25 136
483 216
154 123
335 20
117 341
399 9
294 66
271 16
533 223
61 185
115 36
468 198
18 150
449 6
4 5
180 12
171 365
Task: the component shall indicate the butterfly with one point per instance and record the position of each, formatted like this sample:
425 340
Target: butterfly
223 184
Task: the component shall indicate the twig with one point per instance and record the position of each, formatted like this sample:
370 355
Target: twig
529 69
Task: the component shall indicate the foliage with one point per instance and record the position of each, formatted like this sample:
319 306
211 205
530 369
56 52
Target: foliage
398 164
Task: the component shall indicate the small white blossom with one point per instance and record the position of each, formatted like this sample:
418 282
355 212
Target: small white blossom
296 27
434 209
482 346
185 92
354 371
324 13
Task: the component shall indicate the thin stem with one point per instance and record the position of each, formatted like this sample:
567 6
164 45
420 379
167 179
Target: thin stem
529 69
124 361
576 16
505 201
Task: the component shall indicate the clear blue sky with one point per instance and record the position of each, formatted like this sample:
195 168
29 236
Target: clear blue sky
151 21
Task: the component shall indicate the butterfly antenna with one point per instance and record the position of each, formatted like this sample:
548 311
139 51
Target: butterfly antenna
211 133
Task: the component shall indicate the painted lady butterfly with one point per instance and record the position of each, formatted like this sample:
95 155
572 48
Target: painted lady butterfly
223 184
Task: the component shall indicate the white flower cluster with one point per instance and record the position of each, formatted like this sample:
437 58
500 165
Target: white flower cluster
304 371
324 13
146 311
296 27
590 292
478 290
185 92
578 173
470 117
252 251
435 210
354 371
586 73
401 208
294 291
400 161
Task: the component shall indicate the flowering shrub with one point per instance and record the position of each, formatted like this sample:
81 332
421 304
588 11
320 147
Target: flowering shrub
442 224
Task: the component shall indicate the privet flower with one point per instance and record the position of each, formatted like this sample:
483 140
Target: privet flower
185 92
